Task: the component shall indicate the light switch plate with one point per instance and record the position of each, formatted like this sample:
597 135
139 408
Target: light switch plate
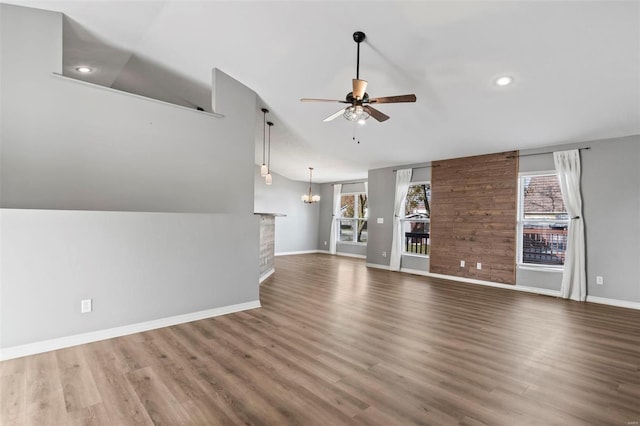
381 220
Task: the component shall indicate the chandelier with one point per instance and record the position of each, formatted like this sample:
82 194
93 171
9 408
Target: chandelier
310 198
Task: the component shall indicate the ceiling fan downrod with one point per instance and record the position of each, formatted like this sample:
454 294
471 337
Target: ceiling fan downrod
358 37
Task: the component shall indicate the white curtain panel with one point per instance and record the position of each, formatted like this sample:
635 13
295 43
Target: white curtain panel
403 180
333 238
574 277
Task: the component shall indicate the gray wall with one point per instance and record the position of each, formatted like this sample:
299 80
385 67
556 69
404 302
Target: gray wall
298 230
135 266
611 200
325 217
611 207
68 146
382 184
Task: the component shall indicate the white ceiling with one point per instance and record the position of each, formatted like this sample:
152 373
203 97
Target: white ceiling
576 66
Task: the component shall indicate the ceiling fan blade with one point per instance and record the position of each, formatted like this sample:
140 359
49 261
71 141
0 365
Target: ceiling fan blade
378 115
359 87
334 115
393 99
322 100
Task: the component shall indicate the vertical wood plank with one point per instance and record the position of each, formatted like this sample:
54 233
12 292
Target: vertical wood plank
473 218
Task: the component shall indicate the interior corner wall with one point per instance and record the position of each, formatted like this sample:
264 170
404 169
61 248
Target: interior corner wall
473 217
326 216
115 197
611 208
382 184
297 230
75 146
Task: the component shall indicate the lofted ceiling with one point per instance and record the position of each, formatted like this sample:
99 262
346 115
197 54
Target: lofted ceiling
576 70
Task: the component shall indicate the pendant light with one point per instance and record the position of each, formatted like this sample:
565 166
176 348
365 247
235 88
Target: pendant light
310 198
268 179
264 169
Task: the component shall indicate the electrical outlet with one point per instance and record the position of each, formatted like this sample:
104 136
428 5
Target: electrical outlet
85 306
462 263
381 220
384 254
325 243
478 265
600 280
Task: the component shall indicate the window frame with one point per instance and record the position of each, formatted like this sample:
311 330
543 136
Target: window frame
404 221
520 222
354 220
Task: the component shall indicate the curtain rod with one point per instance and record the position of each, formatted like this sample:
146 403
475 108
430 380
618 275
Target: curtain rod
414 168
348 183
511 156
543 153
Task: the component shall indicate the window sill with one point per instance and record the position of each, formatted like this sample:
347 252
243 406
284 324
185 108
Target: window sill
351 243
424 256
540 268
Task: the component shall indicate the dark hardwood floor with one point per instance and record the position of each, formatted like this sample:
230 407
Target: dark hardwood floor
337 343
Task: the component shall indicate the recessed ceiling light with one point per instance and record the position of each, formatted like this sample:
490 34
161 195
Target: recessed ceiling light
505 80
84 70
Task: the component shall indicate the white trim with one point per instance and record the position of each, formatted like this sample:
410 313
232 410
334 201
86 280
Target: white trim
538 268
359 256
266 275
420 256
110 89
543 291
290 253
613 302
526 289
378 266
94 336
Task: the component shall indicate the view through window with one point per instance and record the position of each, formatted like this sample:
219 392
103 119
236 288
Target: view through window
353 218
542 222
416 221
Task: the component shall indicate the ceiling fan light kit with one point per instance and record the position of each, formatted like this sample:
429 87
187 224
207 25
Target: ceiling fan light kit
360 108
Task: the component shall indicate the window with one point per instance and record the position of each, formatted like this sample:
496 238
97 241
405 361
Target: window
416 221
542 221
353 218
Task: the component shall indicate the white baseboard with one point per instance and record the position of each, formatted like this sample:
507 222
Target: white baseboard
266 275
543 291
613 302
359 256
94 336
378 266
291 253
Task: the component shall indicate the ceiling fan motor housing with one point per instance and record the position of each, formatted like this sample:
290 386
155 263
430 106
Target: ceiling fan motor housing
350 99
359 36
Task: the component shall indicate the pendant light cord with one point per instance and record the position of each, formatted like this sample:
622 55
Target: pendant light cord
269 155
264 122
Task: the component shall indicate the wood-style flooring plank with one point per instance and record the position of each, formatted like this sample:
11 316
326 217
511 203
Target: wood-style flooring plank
338 343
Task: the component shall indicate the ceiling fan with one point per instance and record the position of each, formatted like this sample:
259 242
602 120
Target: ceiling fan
360 108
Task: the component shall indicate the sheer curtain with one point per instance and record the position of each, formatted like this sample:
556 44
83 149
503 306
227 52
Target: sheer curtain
333 238
403 179
574 280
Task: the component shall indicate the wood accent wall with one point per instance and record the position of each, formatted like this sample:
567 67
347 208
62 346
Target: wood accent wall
473 217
